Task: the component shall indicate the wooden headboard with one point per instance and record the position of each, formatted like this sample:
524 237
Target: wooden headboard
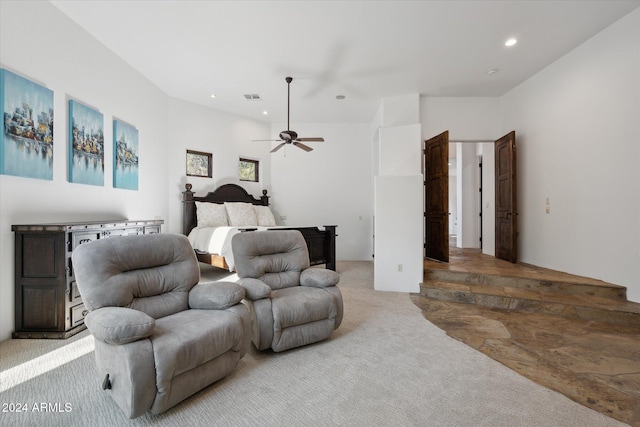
224 193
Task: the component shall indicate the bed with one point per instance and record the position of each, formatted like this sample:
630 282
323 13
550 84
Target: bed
211 239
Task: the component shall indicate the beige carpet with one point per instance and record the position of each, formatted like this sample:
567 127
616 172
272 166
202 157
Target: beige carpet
385 366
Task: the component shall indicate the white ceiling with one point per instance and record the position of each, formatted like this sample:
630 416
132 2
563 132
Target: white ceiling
364 50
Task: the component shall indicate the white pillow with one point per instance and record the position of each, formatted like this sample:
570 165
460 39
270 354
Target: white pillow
241 214
265 216
211 214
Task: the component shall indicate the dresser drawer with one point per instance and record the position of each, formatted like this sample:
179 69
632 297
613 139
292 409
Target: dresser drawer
153 229
48 303
77 315
80 238
75 293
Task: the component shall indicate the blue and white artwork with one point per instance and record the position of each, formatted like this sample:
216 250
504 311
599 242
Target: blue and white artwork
125 156
86 145
26 140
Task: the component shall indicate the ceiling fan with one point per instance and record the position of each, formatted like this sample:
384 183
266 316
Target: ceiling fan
288 136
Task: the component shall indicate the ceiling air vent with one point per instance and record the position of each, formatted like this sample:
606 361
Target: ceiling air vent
252 97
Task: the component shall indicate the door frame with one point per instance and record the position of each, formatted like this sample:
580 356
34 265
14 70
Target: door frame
506 201
515 232
436 202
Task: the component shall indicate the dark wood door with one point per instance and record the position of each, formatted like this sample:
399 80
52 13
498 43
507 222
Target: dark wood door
436 187
506 200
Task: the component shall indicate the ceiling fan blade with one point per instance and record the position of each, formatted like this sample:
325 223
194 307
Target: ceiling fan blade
310 139
304 147
279 146
262 140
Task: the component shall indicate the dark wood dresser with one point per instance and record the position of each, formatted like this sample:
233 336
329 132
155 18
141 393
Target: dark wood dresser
48 304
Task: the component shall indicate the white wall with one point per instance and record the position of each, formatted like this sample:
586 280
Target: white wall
453 195
227 137
468 233
400 110
399 155
577 126
167 127
488 199
466 118
331 185
55 52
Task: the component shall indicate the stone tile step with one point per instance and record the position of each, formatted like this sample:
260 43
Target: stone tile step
585 307
577 286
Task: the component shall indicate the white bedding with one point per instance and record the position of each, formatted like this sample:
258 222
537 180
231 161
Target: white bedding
217 240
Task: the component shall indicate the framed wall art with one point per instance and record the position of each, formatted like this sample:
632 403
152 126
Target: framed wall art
26 139
125 155
248 170
199 163
86 145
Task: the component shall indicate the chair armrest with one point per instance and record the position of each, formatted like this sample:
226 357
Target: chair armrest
215 295
319 278
255 289
119 325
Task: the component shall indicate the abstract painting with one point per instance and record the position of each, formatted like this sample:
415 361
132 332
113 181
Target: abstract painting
26 140
125 156
86 145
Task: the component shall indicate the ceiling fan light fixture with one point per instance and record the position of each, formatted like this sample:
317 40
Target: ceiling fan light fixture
289 136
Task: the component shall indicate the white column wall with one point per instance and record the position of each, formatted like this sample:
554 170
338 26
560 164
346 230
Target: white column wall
398 264
399 206
398 155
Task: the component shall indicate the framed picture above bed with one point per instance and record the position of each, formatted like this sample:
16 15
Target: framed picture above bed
249 170
199 164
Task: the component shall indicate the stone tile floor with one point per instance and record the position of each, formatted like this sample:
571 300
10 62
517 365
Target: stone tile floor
595 364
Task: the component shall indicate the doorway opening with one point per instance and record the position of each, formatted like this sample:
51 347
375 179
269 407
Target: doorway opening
467 226
490 212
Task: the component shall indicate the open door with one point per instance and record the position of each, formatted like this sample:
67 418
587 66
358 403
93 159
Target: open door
436 187
506 206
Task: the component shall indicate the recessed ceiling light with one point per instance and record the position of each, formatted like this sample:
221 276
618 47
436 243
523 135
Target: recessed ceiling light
340 97
510 42
265 112
213 95
492 71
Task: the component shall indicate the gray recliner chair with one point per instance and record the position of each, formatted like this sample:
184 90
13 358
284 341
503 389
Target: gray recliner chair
160 336
291 305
